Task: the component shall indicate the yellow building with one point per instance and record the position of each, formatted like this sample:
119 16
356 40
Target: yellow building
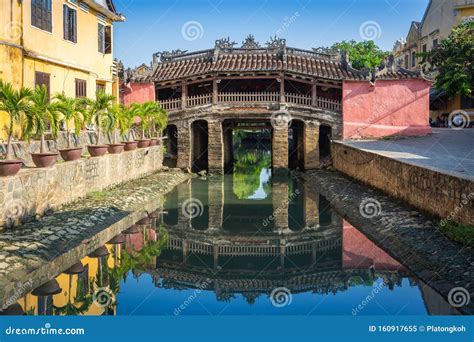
440 17
65 44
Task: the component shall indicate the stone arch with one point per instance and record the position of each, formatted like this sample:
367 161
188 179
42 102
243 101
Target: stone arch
199 145
170 159
325 134
296 145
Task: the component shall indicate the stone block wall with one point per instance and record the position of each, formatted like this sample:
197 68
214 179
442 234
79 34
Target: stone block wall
436 193
32 192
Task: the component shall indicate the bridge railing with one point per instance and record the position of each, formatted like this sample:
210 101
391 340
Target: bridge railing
246 97
172 104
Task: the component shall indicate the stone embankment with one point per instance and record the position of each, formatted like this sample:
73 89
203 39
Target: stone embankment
38 251
404 233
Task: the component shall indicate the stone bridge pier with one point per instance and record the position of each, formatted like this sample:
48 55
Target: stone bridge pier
296 146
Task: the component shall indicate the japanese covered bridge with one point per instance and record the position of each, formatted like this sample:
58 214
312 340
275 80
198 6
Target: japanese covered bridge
317 94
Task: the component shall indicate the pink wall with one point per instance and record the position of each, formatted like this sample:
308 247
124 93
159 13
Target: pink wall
137 92
399 107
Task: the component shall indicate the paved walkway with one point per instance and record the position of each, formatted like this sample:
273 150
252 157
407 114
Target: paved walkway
446 149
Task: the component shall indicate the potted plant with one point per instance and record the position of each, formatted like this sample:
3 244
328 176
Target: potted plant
44 114
14 103
142 111
116 122
97 114
159 120
72 111
128 120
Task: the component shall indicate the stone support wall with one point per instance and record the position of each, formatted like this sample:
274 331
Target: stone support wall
216 147
184 146
439 194
311 146
280 148
34 191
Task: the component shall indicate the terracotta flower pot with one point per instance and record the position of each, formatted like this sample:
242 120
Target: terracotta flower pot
153 141
10 167
44 159
70 154
143 143
97 150
130 145
115 148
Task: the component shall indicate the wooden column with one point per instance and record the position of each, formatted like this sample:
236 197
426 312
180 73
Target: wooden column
215 97
282 89
184 94
314 95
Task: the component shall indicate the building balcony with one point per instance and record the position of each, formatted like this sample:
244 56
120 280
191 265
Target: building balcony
176 104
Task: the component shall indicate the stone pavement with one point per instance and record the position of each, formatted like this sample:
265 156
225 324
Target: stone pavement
37 251
446 150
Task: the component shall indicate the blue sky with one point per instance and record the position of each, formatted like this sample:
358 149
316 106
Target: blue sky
159 25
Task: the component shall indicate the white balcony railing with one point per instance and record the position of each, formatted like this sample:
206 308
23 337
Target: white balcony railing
263 97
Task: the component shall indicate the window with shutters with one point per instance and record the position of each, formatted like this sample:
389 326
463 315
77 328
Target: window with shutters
100 88
81 88
105 38
41 14
42 78
70 23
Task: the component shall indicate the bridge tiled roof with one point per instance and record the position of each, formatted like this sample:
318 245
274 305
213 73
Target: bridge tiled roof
251 61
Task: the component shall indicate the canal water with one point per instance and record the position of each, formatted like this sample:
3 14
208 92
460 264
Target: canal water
247 243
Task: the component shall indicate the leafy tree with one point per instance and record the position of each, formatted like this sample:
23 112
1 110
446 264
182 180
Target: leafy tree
365 54
453 59
15 103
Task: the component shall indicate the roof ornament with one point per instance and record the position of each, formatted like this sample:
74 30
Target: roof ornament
276 43
225 44
332 54
250 43
167 56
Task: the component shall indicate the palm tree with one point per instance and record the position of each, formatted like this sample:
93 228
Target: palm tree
43 113
72 110
146 111
15 103
117 121
128 120
98 110
159 120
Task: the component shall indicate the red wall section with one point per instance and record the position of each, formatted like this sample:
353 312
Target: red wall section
389 107
137 92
